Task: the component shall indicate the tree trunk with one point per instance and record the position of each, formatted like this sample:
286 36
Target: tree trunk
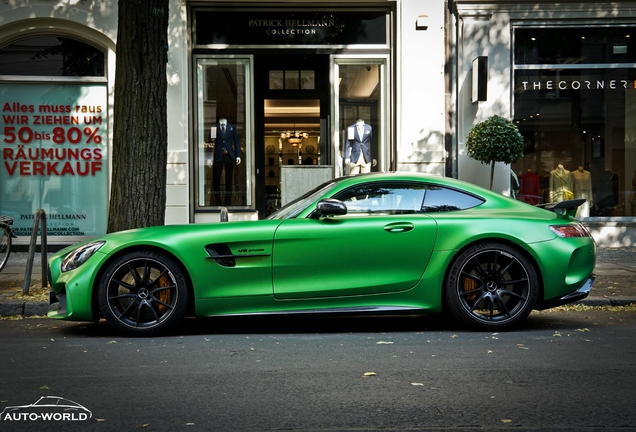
492 173
140 136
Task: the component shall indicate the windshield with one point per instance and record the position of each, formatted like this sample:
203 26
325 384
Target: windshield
294 208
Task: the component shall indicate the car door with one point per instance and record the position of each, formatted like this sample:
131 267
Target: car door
382 245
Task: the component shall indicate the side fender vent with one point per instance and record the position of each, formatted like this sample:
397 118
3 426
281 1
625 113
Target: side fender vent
222 254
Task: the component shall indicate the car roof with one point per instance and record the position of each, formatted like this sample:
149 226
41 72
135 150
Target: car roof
418 176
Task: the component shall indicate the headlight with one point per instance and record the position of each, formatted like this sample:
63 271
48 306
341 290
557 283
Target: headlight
79 256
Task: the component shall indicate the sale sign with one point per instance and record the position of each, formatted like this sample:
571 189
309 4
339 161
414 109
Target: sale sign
53 146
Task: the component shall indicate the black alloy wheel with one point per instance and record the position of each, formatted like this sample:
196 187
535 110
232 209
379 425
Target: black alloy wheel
143 293
491 286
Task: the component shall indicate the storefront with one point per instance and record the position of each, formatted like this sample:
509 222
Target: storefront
289 83
574 95
566 74
264 96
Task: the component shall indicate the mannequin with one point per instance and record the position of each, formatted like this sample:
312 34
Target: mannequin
227 153
529 189
560 184
358 148
582 180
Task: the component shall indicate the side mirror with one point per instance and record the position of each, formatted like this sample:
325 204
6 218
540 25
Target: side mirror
331 207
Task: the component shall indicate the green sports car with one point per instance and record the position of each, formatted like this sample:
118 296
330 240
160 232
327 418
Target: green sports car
372 243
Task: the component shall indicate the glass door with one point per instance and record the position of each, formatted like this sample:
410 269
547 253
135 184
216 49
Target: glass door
291 106
360 111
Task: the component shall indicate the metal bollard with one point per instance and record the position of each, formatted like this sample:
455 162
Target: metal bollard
40 216
224 216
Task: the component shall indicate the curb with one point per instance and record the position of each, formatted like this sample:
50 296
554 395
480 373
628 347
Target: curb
604 301
23 308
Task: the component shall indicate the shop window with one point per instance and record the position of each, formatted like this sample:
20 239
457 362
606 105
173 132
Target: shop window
223 130
574 104
362 112
54 142
51 56
575 45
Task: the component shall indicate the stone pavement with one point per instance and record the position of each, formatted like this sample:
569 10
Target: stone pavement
615 283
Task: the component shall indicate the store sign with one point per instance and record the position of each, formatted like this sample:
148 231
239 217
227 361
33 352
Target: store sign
585 84
53 143
290 28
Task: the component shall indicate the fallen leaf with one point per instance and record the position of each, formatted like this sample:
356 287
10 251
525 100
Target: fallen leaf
489 352
44 388
417 384
454 336
506 421
383 343
583 330
100 419
112 342
370 374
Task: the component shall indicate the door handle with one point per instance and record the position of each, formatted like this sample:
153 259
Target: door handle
399 227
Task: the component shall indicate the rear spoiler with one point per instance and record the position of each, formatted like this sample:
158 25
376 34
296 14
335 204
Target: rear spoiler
564 208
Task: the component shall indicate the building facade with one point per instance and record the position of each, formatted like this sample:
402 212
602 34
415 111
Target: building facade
263 98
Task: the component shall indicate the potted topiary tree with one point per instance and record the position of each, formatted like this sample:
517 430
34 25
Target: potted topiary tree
495 140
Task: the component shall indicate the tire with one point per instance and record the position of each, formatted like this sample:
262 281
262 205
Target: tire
491 286
5 246
143 293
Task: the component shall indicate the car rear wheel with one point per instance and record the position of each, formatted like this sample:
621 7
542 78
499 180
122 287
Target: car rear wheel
143 293
491 286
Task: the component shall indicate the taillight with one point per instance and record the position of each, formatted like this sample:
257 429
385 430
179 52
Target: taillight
570 230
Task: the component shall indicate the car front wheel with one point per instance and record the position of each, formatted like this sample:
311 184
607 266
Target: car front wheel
491 286
143 293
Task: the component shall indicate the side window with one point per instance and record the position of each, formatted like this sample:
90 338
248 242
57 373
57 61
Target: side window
383 198
441 199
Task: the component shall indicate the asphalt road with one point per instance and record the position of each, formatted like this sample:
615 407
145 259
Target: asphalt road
565 371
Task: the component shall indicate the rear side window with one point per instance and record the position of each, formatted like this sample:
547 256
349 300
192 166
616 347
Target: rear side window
442 199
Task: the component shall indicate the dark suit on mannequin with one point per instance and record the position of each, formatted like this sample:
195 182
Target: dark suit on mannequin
227 153
358 147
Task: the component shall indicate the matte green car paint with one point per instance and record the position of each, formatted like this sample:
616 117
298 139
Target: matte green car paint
351 255
307 264
251 276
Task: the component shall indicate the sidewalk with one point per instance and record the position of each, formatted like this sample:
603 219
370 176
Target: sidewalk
11 282
615 283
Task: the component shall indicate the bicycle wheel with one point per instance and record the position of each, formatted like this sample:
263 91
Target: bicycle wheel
5 245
